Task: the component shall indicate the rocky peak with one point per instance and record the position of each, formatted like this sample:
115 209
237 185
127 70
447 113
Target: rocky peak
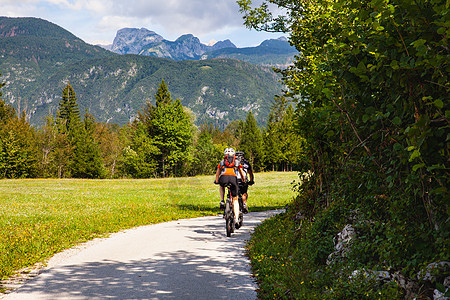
223 44
132 40
145 42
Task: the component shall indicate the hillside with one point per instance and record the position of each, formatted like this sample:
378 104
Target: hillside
38 58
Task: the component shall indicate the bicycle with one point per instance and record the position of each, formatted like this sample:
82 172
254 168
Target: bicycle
228 213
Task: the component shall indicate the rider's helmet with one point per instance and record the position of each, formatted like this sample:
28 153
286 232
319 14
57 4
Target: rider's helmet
240 154
229 151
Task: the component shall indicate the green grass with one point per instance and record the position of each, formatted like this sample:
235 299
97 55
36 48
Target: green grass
40 217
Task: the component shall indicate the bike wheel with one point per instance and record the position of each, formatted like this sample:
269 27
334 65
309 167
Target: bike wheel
228 219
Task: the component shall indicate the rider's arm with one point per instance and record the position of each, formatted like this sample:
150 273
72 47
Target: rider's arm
242 174
250 172
217 173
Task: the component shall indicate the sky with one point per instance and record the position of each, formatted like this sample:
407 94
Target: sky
97 21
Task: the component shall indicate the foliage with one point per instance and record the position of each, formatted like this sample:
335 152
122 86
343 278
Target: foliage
139 154
87 161
78 153
18 150
372 90
286 256
111 139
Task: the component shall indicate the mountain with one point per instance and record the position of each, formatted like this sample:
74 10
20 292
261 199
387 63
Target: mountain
132 40
38 58
145 42
274 52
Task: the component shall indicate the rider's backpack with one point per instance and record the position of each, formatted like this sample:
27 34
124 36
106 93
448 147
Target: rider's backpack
229 160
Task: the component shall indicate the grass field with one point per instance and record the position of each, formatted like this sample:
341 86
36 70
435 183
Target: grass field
40 217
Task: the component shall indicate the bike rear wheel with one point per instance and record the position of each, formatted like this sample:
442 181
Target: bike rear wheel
228 219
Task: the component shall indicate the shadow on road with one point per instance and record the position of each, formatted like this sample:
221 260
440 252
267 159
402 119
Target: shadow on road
216 270
164 278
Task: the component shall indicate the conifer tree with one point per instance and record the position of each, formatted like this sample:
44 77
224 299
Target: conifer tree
68 115
169 128
251 142
87 162
77 148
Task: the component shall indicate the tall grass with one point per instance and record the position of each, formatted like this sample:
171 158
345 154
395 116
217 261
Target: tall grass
40 217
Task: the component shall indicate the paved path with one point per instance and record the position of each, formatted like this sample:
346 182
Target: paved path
184 259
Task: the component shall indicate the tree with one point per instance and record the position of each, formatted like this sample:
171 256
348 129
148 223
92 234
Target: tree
68 114
18 150
165 131
274 133
87 161
139 156
77 152
111 141
251 142
206 154
171 130
47 136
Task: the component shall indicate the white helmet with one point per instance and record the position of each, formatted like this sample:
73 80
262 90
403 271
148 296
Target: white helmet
229 151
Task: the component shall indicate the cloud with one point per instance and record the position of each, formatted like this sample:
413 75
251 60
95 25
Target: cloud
180 16
95 20
195 16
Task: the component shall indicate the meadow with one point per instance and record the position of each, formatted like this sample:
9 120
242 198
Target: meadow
41 217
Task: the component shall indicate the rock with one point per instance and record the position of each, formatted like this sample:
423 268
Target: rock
342 246
433 270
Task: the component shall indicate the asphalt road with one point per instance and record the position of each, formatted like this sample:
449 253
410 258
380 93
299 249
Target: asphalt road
183 259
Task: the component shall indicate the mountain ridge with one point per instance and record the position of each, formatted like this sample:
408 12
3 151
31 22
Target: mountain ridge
114 87
273 52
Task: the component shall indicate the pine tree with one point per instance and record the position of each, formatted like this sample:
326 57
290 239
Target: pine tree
87 161
251 142
78 154
169 128
68 115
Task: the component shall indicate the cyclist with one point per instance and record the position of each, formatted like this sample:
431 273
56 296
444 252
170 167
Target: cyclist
226 173
243 185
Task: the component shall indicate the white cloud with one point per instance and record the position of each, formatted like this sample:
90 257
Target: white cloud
95 20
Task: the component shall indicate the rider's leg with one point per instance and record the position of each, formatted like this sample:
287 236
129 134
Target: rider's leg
244 197
236 208
222 195
222 192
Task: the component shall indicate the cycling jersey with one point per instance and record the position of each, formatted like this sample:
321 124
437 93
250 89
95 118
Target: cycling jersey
227 170
245 167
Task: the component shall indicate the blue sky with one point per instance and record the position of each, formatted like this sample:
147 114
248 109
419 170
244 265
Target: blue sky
97 21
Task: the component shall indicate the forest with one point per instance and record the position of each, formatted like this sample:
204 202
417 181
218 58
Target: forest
162 141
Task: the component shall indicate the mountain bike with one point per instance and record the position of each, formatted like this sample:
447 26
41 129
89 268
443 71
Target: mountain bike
228 213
